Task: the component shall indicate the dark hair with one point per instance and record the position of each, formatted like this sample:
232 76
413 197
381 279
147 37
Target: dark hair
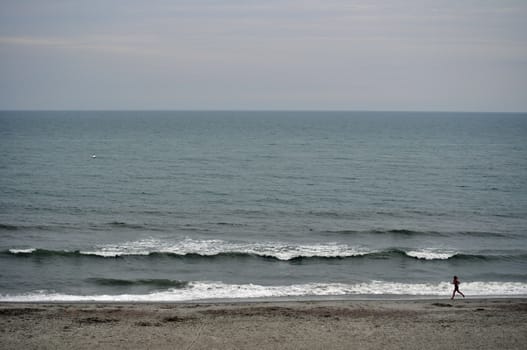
455 277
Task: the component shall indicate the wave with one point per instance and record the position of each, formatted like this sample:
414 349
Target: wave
388 232
122 224
71 226
164 283
23 251
204 290
9 227
152 227
215 249
411 233
212 248
230 224
42 252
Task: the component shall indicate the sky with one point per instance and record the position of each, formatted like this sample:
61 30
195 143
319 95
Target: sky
441 55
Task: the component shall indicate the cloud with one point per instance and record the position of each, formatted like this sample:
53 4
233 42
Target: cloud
124 45
246 52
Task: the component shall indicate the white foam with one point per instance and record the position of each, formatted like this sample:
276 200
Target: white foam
111 253
22 251
278 250
431 254
219 290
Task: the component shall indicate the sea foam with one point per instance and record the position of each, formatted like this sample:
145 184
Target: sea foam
206 290
22 251
278 250
431 254
275 250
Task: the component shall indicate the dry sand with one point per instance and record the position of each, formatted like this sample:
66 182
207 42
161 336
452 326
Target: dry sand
419 324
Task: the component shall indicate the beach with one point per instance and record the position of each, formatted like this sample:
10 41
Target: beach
319 324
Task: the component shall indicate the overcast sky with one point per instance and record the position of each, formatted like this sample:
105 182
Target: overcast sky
462 55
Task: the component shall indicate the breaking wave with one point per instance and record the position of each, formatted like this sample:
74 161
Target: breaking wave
211 249
204 290
163 283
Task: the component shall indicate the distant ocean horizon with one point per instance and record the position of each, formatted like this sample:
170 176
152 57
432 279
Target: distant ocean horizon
195 205
256 110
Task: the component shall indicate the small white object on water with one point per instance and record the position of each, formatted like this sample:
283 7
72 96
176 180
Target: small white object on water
94 156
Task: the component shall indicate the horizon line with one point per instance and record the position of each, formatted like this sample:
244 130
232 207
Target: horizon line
271 110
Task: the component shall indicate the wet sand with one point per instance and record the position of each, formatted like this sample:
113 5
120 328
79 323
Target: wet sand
350 324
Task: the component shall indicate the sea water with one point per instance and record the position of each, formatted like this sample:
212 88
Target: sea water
173 206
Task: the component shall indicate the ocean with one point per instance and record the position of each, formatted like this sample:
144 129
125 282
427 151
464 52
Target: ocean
188 206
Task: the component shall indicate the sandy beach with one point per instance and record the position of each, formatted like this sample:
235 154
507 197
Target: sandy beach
350 324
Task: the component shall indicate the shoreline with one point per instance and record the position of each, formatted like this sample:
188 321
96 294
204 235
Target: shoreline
280 299
438 323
